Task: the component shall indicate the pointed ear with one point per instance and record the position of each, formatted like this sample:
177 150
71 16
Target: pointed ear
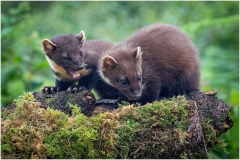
81 36
108 63
138 54
48 46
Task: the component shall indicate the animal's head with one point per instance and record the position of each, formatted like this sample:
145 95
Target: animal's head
123 70
65 55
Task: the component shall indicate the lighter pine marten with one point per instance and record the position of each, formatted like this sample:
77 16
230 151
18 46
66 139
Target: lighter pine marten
158 60
73 59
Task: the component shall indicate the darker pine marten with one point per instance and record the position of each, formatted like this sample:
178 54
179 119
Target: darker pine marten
73 59
157 61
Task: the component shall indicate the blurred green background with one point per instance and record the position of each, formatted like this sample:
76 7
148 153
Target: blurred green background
213 27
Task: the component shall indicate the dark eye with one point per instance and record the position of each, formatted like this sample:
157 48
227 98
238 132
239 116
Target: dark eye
123 81
139 78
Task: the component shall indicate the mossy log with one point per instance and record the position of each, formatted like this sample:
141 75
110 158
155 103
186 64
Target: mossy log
181 127
60 101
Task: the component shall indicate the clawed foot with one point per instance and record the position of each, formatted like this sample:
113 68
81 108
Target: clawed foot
75 89
50 90
71 89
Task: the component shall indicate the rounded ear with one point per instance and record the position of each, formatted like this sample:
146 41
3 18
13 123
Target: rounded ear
81 36
138 53
48 46
108 63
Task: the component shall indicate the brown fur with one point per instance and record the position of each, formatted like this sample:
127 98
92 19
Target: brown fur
94 50
64 54
68 53
170 64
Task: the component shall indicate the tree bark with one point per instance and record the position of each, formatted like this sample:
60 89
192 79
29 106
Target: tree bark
60 101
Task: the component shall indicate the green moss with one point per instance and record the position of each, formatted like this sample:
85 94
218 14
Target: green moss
125 135
161 114
123 103
7 148
75 109
25 129
4 115
83 137
35 132
50 101
212 139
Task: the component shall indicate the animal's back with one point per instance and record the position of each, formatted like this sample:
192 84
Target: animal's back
169 58
169 61
94 50
156 61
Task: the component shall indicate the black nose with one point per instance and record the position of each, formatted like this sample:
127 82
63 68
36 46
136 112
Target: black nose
81 67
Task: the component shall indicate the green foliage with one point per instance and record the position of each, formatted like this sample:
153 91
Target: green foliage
213 26
22 59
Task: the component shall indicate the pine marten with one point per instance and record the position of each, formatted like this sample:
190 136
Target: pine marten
157 61
73 59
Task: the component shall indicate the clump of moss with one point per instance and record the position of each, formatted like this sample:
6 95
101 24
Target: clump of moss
140 120
156 130
84 137
34 132
23 130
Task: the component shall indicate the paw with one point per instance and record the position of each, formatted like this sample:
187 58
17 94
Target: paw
50 90
75 89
